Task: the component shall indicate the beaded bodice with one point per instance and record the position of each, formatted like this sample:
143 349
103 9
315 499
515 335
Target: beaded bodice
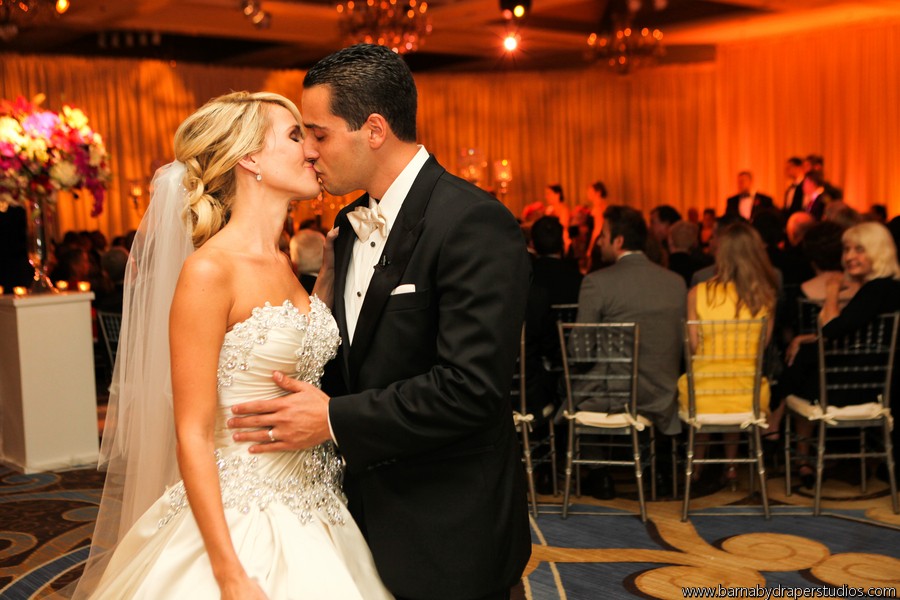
279 337
297 344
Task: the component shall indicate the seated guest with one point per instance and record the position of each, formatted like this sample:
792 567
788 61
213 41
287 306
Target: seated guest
112 264
722 222
870 260
842 214
706 228
878 212
307 249
683 237
823 247
662 218
744 287
894 227
748 200
561 278
797 226
636 290
72 266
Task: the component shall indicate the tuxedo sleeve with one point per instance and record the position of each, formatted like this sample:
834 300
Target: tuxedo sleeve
481 275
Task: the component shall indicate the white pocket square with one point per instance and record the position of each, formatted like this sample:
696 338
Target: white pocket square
406 288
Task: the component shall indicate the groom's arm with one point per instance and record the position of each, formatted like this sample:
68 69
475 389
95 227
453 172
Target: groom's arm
481 280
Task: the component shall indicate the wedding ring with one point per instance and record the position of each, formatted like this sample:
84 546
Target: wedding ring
271 435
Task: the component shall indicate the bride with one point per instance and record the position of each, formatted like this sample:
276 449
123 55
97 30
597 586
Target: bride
238 526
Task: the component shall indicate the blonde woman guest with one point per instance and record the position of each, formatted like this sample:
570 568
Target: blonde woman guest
237 526
870 261
744 287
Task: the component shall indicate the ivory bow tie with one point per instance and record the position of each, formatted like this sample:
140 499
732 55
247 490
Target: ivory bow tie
365 220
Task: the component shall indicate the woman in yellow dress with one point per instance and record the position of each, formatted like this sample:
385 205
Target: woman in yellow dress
744 287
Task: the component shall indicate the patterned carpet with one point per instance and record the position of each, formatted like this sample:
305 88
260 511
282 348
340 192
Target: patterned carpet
600 551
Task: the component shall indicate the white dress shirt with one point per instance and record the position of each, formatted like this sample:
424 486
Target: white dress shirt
366 254
745 205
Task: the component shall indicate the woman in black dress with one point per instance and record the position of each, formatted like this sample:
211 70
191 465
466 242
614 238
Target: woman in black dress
870 259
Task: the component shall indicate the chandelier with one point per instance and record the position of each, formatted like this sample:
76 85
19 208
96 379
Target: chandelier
624 47
627 48
19 14
401 25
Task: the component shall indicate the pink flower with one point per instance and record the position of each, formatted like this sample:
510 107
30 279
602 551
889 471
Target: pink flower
42 151
40 124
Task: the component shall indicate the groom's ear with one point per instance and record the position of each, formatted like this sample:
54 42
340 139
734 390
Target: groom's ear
377 129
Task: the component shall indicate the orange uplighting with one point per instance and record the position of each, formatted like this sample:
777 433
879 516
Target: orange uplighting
62 6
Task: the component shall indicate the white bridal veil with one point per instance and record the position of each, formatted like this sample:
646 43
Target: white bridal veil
138 449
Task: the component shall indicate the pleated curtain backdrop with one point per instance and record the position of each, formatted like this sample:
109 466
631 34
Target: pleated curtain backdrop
832 92
675 134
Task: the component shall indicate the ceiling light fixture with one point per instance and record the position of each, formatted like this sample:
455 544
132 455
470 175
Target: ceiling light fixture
514 8
253 10
401 25
625 47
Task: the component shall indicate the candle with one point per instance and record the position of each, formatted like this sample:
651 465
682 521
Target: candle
84 286
1 290
62 285
19 290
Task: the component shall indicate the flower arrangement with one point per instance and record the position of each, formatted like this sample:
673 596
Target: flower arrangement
42 151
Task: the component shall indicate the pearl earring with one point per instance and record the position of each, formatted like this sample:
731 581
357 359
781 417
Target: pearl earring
258 176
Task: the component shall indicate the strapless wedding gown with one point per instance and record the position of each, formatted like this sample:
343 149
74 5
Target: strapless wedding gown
285 510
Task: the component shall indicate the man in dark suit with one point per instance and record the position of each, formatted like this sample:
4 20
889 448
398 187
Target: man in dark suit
817 197
561 278
429 297
634 289
747 201
793 195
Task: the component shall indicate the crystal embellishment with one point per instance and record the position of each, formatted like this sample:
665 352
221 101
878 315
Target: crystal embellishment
318 347
315 489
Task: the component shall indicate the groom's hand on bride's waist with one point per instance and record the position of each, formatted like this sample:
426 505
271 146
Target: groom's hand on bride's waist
296 421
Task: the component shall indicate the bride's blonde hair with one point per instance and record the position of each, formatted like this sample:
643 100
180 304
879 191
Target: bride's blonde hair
211 142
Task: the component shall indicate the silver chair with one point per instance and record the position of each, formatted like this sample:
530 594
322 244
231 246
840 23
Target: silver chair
726 361
110 324
523 420
807 315
601 360
560 313
859 364
564 313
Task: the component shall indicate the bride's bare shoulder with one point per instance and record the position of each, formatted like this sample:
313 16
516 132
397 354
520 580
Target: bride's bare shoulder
208 265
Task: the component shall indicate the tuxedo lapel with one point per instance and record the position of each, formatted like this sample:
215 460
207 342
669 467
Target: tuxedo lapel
397 252
343 251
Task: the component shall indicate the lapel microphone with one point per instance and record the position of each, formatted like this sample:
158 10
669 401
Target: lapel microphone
384 262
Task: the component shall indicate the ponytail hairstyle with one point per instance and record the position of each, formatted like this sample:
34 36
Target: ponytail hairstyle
211 143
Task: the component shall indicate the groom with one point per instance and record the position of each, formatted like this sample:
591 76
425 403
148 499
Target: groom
431 278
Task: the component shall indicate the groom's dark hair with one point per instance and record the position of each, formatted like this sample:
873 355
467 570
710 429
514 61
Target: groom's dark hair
366 79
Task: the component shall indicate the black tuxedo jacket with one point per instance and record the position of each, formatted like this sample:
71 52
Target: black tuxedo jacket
796 203
760 201
420 407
